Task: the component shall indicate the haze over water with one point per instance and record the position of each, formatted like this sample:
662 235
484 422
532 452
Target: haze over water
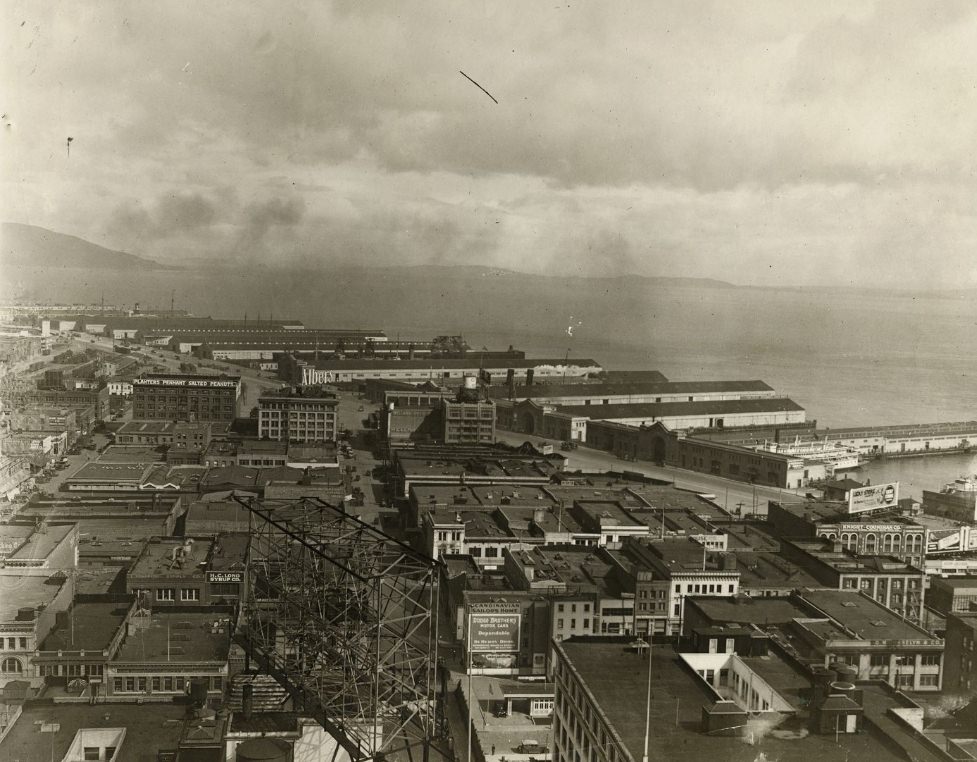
850 357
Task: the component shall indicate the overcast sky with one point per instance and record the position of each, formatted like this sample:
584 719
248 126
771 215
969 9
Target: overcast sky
781 142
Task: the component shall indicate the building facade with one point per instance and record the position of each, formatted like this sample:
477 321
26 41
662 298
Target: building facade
185 397
300 415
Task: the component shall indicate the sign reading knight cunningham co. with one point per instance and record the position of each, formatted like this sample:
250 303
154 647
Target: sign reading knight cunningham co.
873 497
494 628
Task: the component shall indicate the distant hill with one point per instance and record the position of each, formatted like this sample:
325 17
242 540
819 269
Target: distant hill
31 246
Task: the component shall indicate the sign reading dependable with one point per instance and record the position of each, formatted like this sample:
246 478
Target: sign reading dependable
494 628
873 497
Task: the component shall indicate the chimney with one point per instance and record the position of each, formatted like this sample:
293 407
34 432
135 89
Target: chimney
247 700
530 372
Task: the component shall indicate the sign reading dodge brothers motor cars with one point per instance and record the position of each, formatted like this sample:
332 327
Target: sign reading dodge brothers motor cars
494 628
873 497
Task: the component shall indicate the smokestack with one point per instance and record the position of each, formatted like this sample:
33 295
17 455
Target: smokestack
529 376
247 700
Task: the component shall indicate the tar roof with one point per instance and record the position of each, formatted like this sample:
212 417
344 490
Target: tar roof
19 591
745 610
120 472
669 409
88 627
433 364
607 513
149 729
121 454
177 637
765 570
39 543
615 675
165 559
643 388
957 583
865 616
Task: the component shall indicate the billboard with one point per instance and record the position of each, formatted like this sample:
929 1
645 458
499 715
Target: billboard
951 540
493 628
873 497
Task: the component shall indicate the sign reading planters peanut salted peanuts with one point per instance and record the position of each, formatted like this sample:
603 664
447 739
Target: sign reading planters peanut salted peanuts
873 497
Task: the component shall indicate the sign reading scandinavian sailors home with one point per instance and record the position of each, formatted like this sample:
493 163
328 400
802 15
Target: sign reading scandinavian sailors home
225 577
494 627
873 497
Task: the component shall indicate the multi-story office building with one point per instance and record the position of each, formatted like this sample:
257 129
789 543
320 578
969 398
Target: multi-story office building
185 397
468 422
303 414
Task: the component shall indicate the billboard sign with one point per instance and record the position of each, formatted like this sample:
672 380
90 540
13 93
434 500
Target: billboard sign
873 497
494 628
951 540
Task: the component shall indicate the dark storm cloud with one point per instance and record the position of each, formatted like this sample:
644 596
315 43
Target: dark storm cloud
659 137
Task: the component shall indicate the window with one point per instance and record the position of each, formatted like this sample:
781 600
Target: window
928 680
189 594
930 660
91 752
12 666
880 660
164 594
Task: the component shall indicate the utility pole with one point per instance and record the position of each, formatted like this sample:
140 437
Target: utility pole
644 757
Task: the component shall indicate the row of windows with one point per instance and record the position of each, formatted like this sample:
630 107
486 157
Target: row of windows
160 684
573 624
169 593
71 670
13 643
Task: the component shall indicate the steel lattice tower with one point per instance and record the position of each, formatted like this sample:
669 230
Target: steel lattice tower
345 617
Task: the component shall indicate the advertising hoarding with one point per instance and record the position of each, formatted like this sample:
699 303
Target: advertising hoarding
494 633
493 636
873 497
951 540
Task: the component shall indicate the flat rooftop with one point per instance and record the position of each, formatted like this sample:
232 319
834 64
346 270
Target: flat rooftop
178 637
435 364
865 616
956 583
123 454
607 513
671 409
149 729
481 495
616 677
766 570
642 388
88 627
745 610
156 560
38 544
19 591
132 473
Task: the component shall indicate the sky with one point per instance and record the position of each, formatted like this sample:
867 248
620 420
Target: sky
766 143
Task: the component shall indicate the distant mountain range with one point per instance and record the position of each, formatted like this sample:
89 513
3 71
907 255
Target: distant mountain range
35 247
31 246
